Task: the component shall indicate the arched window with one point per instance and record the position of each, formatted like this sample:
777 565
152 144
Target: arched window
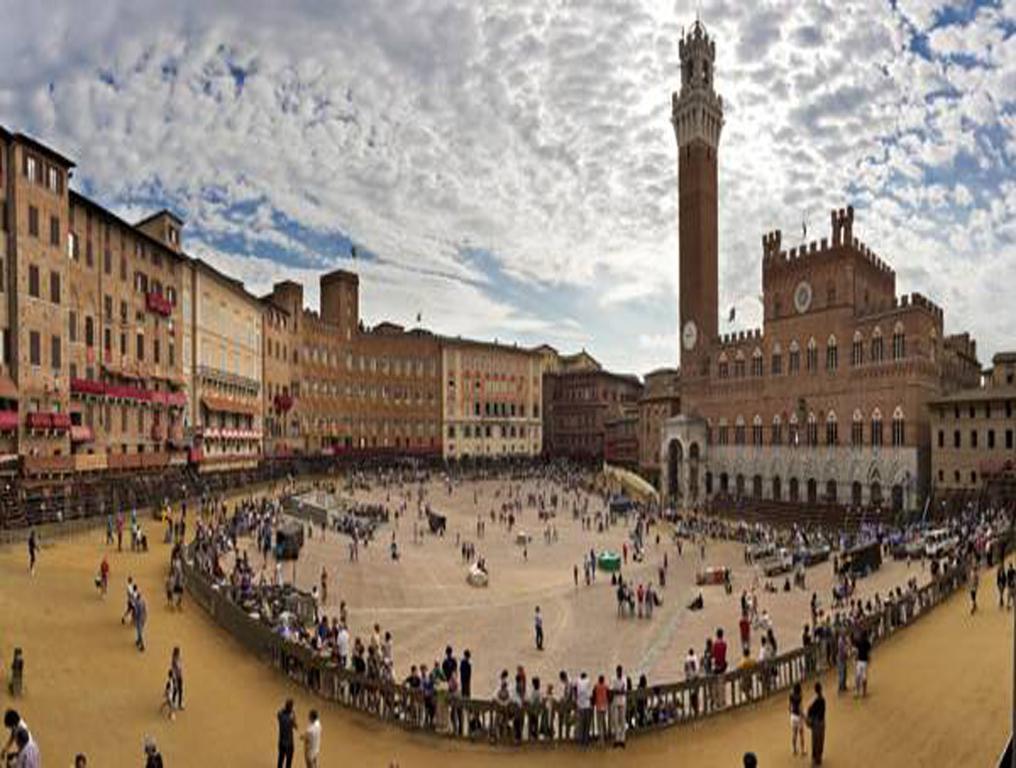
793 431
877 349
876 428
723 367
794 364
812 429
722 436
899 433
832 436
776 434
899 342
831 355
739 431
812 355
756 430
756 362
933 345
857 349
857 429
777 359
739 365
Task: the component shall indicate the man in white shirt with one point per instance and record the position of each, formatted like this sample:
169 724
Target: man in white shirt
584 702
342 642
619 707
312 740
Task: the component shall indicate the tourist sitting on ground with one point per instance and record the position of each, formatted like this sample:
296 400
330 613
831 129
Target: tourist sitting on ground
697 604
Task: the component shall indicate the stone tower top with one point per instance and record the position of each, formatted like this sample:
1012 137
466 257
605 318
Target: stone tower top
696 110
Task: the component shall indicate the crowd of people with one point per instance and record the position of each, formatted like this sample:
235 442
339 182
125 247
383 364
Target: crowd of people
586 707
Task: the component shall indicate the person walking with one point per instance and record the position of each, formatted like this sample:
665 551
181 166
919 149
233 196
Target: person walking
287 723
33 549
817 724
863 646
176 668
619 707
312 740
973 580
153 758
796 719
538 625
140 618
104 577
842 652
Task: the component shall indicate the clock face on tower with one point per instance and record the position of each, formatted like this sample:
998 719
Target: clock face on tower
802 297
689 335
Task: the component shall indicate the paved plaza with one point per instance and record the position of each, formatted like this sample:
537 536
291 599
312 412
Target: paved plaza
425 602
939 695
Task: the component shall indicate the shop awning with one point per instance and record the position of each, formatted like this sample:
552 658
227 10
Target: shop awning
226 405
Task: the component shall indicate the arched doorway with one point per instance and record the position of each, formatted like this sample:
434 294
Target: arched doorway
830 491
693 472
709 483
795 490
724 483
675 462
875 494
740 486
856 493
777 490
897 494
756 486
812 490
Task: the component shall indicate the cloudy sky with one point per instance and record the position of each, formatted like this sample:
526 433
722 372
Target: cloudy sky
508 169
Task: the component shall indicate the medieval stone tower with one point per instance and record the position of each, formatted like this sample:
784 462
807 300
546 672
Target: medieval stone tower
697 116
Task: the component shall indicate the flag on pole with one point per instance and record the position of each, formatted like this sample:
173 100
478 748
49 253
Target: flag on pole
733 314
352 251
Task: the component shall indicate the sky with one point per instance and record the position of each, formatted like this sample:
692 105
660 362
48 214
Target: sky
507 170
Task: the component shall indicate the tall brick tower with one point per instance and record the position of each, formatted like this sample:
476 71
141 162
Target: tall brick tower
697 116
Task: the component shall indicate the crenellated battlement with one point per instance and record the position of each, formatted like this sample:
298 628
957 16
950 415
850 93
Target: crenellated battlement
904 303
726 340
774 259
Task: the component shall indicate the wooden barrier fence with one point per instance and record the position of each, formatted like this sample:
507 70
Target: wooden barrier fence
648 708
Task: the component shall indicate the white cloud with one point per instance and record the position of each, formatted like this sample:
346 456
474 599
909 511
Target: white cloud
427 130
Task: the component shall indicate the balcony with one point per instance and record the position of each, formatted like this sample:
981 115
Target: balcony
159 304
61 422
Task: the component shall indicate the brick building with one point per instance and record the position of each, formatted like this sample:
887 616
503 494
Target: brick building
661 400
828 401
492 396
973 433
582 399
335 386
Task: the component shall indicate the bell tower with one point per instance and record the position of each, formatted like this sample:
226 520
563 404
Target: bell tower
697 116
